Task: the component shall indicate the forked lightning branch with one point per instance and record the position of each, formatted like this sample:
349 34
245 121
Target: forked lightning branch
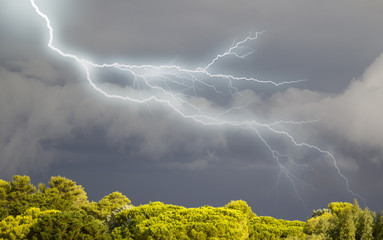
177 88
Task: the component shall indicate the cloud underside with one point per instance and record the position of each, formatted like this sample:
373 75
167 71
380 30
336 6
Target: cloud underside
44 116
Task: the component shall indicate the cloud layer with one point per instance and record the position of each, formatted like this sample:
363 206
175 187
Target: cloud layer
49 116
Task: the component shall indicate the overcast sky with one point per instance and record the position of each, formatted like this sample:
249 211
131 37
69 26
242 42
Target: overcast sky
52 122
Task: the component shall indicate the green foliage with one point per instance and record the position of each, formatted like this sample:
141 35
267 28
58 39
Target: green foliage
67 225
159 221
267 227
343 226
19 227
364 225
110 218
62 194
345 222
337 208
16 196
241 206
377 232
19 195
61 211
107 205
320 212
318 225
4 189
271 228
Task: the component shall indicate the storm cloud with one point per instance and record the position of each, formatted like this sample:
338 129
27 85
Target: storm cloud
51 122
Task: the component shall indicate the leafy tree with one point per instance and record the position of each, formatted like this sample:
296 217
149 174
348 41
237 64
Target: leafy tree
62 194
106 205
241 206
161 221
320 212
18 195
364 225
344 226
24 214
345 222
67 225
378 226
337 208
318 224
111 220
4 190
19 227
271 228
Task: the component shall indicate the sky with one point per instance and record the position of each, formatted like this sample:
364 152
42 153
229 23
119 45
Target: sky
52 122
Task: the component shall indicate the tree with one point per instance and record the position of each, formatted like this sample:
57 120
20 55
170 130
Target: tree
18 227
345 222
377 232
20 195
345 226
4 190
320 212
337 208
319 224
63 194
67 225
269 228
162 221
241 206
106 205
364 225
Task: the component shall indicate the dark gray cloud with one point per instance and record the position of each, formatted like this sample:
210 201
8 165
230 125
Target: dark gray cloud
304 40
51 122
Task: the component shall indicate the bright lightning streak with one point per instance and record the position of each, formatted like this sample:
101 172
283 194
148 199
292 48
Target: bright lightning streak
158 79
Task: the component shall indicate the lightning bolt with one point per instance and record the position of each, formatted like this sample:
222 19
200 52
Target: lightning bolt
176 87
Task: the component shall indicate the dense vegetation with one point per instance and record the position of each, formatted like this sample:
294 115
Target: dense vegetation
61 210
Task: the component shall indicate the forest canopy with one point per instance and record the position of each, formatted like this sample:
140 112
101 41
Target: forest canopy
61 210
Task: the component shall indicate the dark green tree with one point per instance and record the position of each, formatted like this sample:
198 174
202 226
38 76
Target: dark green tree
67 225
377 231
4 190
